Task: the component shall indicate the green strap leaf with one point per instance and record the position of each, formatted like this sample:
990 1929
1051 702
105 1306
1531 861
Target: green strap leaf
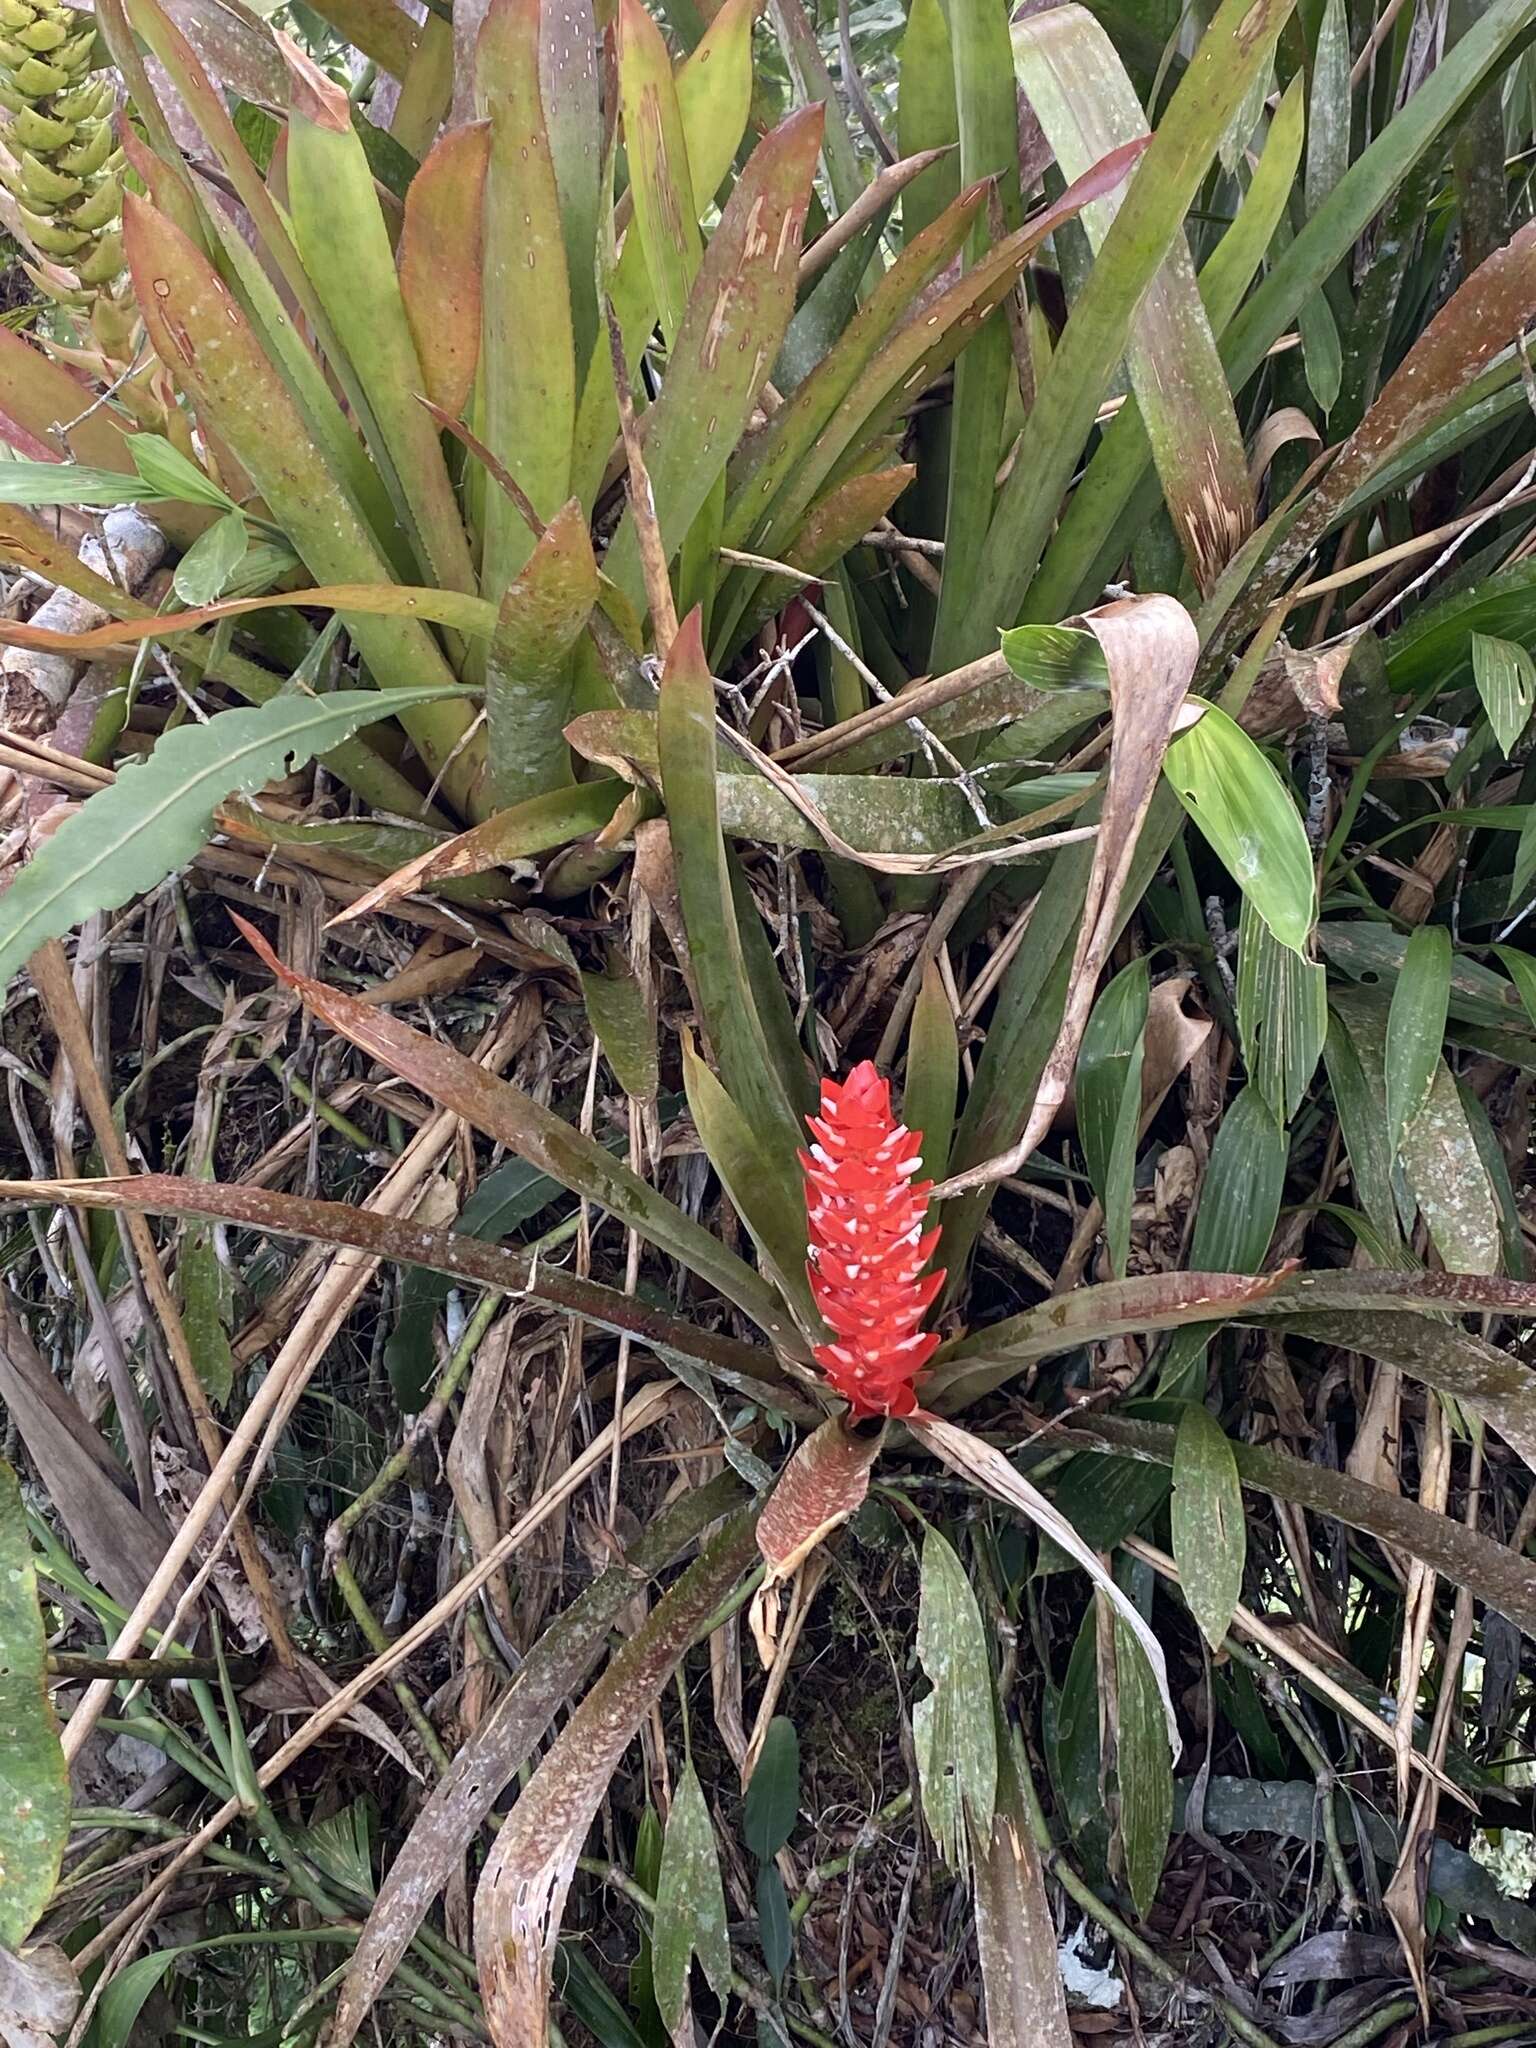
1233 793
690 1909
1109 1070
1505 676
1210 1537
772 1803
34 1784
1416 1027
154 819
954 1728
1144 1769
1282 1015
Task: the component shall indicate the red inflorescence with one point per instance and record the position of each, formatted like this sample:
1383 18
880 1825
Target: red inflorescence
868 1247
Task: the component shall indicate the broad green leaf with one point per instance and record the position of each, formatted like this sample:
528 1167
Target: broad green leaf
338 228
986 104
737 316
1282 1015
127 838
1237 45
1525 863
170 474
666 210
1109 1067
624 1027
579 1986
439 261
1233 793
34 1785
1071 1728
690 1909
1143 1768
1437 1165
772 1805
1446 1172
933 1073
1322 352
1506 681
219 361
1210 1536
527 349
1239 1206
953 1728
768 1197
686 741
1522 971
1084 100
775 1930
572 99
71 483
1500 1181
205 570
925 113
1328 107
207 1310
125 1995
528 674
1373 953
1416 1027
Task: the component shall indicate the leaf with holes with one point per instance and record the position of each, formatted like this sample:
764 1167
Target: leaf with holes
1505 676
1233 793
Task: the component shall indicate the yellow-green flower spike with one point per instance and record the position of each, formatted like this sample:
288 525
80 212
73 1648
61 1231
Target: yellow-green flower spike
63 167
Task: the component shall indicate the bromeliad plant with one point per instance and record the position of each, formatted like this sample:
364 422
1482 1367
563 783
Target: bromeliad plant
570 354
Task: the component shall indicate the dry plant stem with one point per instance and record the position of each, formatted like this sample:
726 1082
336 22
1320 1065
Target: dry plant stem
647 1407
422 1428
945 918
55 984
642 502
333 1297
915 701
350 1271
373 1634
1419 1596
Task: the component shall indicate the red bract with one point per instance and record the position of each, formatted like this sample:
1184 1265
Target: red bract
868 1247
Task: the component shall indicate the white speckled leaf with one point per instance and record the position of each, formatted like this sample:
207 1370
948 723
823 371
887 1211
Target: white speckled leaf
34 1786
955 1735
690 1910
